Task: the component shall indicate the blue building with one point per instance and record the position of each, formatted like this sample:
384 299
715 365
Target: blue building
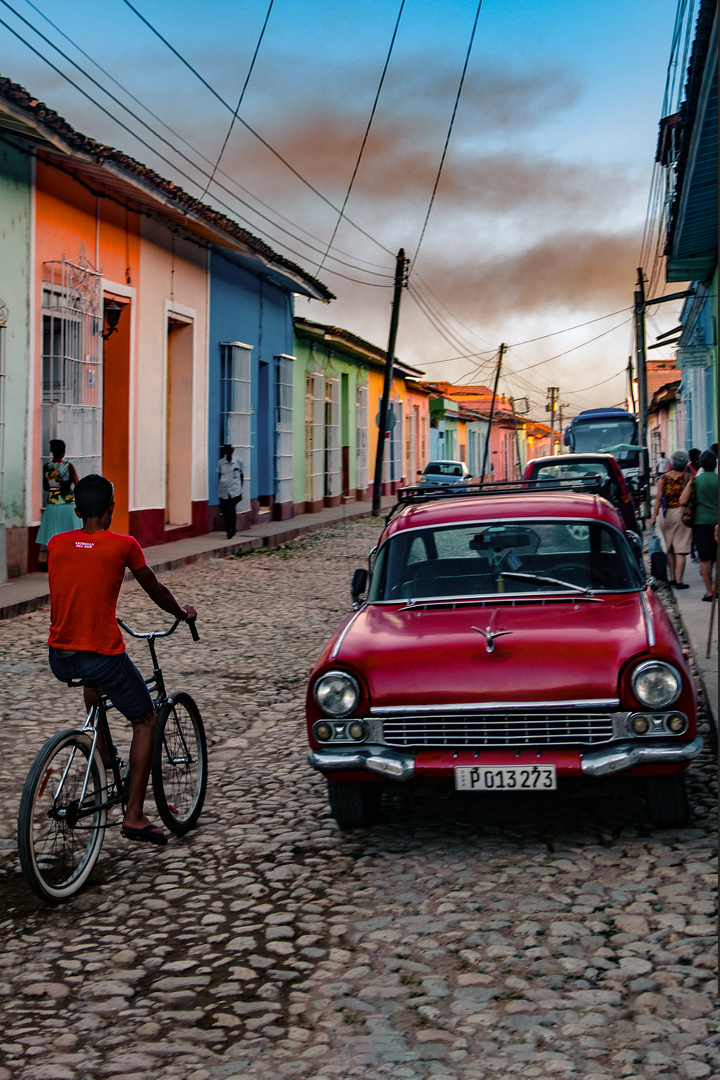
250 373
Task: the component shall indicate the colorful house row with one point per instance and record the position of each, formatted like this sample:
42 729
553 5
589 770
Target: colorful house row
141 327
461 422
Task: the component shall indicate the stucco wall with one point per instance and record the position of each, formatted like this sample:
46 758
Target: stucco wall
15 243
174 285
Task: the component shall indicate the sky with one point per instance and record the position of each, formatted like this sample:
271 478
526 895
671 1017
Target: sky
535 232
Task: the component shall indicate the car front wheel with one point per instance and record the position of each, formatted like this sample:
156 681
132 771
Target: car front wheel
354 805
666 799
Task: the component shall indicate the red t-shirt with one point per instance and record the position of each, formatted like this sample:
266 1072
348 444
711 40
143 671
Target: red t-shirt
85 572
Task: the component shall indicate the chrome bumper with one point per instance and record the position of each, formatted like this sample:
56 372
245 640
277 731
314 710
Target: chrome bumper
615 759
388 763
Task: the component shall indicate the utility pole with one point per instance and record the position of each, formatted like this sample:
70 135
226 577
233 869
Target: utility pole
641 305
492 410
517 439
400 282
630 383
553 392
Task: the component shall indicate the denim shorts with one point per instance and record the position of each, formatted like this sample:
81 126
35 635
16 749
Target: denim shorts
116 675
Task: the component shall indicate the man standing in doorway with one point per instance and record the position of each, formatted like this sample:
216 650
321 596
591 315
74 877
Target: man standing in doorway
230 471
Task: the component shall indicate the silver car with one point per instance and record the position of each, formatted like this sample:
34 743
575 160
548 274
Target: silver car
437 473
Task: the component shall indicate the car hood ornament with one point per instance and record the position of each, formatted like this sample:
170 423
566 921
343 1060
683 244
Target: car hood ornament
490 636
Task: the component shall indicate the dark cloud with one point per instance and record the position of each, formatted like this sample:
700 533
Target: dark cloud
571 271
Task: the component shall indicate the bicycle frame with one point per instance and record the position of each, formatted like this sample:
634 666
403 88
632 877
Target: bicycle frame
97 723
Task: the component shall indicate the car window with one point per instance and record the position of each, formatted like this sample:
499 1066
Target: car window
444 468
488 558
574 471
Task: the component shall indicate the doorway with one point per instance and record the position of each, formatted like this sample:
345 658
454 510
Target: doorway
178 422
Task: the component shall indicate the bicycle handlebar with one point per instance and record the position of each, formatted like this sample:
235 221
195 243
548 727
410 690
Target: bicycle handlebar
161 633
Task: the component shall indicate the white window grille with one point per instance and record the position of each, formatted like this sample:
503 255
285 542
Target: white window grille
393 454
362 477
284 428
314 436
332 484
235 407
71 362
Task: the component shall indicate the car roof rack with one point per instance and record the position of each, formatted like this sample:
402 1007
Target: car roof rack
409 496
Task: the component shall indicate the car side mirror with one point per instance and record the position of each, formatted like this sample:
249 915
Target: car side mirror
358 585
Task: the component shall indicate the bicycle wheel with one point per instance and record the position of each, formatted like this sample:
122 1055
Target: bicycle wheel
179 771
59 838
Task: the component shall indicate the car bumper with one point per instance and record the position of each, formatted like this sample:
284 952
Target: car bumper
399 765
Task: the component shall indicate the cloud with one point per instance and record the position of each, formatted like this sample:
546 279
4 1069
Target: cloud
564 273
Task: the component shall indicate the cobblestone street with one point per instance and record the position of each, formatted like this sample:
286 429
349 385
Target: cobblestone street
464 937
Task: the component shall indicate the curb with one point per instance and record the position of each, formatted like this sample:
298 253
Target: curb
274 535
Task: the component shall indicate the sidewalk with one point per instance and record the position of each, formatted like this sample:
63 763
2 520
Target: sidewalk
695 615
31 592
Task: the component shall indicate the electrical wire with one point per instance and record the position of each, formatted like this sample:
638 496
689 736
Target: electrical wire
447 138
240 100
232 210
436 319
365 138
252 130
177 135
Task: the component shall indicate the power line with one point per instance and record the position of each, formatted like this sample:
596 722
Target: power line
240 99
365 138
252 130
447 138
181 138
232 210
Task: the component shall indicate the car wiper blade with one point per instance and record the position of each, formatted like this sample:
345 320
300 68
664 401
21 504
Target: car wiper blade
546 581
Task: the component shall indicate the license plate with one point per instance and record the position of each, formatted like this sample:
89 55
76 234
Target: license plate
506 778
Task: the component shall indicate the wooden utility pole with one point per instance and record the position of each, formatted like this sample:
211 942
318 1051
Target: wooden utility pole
630 384
553 392
641 305
492 410
387 382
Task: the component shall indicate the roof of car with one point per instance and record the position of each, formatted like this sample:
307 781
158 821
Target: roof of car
568 459
461 509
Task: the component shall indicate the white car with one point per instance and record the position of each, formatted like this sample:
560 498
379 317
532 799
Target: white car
444 473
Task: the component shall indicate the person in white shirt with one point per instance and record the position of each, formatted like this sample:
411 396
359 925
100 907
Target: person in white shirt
230 471
663 464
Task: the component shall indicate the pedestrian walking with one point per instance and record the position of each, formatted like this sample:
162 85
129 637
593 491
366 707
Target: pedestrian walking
662 466
230 471
678 536
59 480
705 517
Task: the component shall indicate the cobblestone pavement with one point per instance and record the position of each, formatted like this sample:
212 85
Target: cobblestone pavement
464 937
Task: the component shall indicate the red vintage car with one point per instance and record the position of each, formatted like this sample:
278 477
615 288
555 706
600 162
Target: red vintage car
508 641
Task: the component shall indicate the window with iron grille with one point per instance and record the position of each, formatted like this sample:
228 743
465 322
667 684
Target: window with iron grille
314 436
235 407
332 484
71 362
362 477
284 428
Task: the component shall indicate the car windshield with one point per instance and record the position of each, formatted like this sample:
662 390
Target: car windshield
593 436
444 468
493 558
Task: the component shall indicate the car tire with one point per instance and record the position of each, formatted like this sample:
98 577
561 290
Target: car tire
354 805
666 800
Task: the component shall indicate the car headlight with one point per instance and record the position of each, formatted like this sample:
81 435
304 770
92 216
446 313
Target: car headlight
656 684
337 693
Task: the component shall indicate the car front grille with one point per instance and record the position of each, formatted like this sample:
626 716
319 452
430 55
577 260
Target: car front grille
498 729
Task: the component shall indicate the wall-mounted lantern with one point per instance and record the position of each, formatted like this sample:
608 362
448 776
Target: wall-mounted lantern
112 315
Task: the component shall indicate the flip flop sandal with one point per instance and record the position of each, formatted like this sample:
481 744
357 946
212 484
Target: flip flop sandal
150 834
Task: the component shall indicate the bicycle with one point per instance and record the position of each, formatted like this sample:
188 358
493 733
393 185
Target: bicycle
67 794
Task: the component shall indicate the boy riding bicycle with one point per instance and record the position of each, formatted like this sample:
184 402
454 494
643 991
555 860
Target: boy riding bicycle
86 568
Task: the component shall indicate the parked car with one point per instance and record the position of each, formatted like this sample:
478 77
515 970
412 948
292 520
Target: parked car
603 467
508 642
441 473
